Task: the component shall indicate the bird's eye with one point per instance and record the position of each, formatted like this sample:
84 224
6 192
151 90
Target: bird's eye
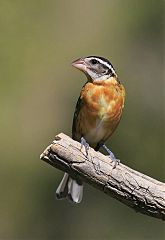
94 61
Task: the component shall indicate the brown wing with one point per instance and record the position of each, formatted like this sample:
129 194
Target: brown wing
75 117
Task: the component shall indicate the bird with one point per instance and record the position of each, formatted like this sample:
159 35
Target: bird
97 114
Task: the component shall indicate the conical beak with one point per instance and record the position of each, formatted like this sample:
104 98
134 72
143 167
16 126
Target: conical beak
79 64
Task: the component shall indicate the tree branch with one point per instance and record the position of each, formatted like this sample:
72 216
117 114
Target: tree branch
134 189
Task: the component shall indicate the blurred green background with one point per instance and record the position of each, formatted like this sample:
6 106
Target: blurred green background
38 93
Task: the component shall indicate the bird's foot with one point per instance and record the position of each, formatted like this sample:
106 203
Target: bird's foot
85 144
115 162
112 156
93 160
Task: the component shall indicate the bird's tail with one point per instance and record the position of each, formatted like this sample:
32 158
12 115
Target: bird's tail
70 188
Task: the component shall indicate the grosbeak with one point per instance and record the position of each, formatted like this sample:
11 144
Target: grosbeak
97 114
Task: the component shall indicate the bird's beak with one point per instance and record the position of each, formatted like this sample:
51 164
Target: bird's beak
80 64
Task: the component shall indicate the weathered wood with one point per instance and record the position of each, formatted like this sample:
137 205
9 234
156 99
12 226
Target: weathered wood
134 189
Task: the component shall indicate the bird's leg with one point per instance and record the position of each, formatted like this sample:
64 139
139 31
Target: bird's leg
112 156
109 151
85 144
93 160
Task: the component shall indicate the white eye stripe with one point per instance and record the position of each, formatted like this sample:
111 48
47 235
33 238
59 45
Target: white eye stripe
104 63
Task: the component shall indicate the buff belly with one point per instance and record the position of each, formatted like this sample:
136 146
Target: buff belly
100 131
93 135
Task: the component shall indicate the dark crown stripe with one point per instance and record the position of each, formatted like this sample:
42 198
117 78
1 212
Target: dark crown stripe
103 59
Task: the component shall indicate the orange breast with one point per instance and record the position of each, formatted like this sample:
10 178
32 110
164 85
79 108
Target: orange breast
101 110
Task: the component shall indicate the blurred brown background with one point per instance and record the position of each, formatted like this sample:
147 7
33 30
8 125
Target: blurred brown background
38 93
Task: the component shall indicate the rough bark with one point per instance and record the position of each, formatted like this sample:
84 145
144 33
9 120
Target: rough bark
134 189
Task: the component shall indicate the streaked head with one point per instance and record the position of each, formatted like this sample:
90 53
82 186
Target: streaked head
95 68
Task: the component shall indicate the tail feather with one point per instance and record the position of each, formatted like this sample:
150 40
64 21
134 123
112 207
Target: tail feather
70 188
75 191
62 189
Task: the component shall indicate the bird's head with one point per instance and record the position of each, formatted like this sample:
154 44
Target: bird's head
95 68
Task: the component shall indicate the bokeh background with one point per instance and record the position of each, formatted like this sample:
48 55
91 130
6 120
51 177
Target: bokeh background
38 93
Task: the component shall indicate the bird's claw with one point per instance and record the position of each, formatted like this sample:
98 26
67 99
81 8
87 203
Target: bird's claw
85 144
112 156
115 162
